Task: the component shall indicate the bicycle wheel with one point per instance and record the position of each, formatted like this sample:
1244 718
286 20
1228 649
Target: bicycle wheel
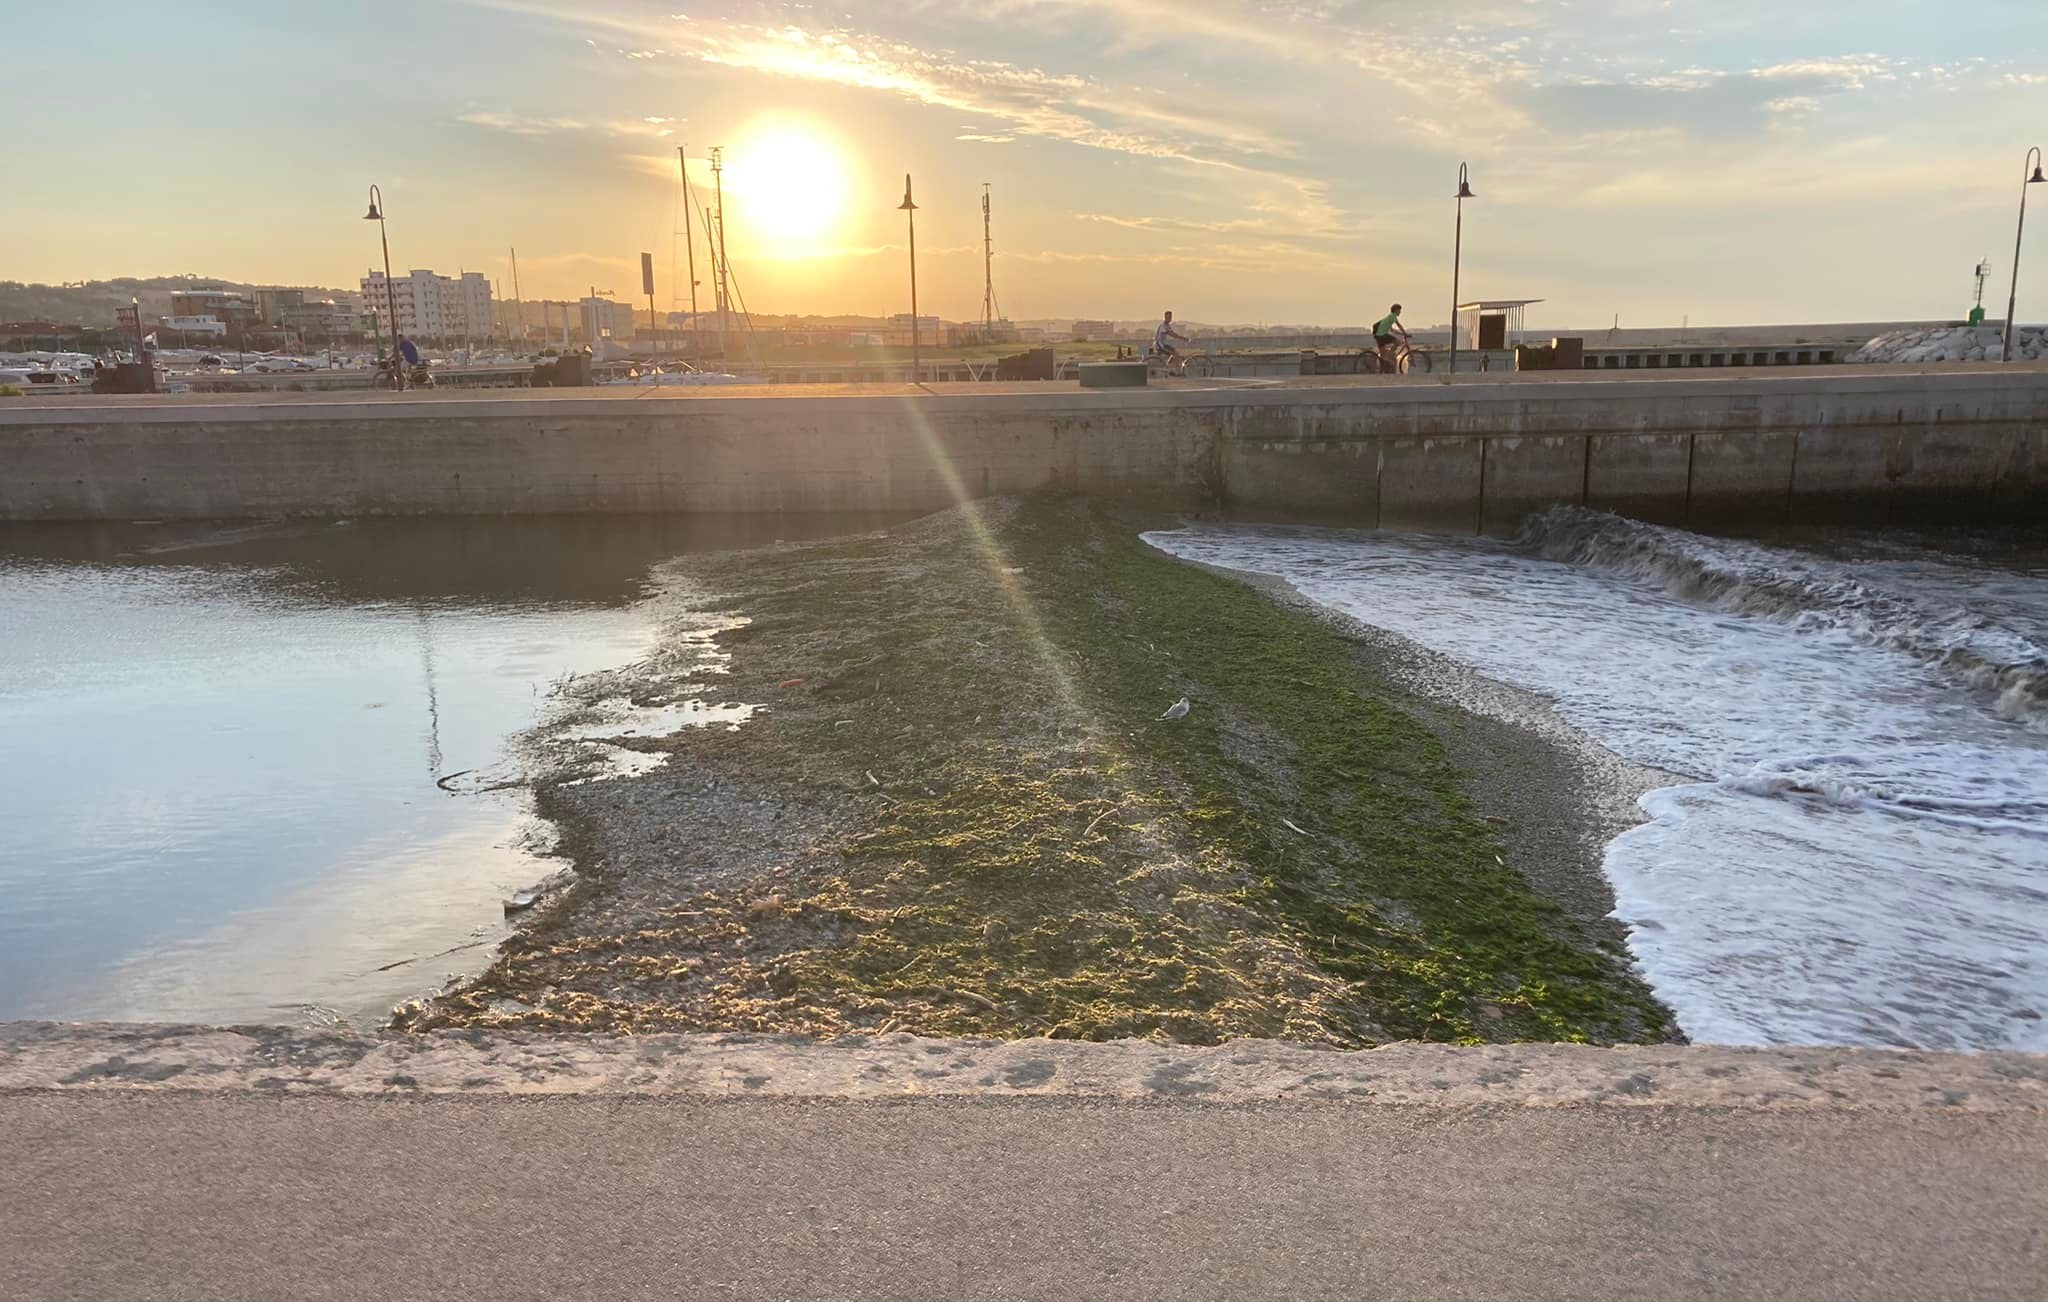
1413 361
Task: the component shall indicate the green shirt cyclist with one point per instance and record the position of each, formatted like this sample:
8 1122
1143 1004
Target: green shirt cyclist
1387 327
1386 333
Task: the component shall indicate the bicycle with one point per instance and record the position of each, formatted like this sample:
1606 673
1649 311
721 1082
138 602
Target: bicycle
1170 365
1408 360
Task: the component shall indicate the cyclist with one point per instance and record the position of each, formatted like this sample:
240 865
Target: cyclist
1162 338
1388 335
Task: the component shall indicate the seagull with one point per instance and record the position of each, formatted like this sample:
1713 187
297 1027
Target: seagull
1178 710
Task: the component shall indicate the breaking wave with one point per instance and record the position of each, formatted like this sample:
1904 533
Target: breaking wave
1856 848
1808 592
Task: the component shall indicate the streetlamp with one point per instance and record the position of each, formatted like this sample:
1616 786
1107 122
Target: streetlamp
2012 299
1457 256
376 214
909 211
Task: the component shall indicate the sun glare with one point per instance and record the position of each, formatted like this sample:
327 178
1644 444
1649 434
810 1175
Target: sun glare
791 183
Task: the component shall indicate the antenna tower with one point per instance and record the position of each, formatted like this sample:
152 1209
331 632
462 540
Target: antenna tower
988 272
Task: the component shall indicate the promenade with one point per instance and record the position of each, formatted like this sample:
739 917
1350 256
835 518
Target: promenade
1703 448
190 1165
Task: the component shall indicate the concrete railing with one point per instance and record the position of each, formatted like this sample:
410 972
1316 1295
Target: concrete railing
1793 447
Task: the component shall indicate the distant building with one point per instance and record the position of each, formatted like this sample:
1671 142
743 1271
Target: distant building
272 304
601 318
324 319
1094 329
430 306
231 308
925 324
182 325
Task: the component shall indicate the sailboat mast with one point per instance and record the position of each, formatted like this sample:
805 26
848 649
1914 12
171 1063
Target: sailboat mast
689 244
518 310
717 236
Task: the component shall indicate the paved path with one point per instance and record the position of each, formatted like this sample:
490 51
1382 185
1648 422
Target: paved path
163 1195
1761 379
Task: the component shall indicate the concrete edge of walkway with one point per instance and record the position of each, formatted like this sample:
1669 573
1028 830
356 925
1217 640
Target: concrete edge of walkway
296 1061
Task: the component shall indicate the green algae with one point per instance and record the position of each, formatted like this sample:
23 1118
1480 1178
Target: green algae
1031 852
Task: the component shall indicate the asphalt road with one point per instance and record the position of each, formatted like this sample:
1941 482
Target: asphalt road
117 1194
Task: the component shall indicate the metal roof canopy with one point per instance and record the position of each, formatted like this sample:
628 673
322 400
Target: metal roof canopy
1511 308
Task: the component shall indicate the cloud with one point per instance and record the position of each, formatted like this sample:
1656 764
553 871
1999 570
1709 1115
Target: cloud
1792 105
1175 223
1703 102
1023 100
520 126
515 124
1850 72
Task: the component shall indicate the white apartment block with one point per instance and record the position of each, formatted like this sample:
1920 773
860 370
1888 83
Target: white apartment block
431 306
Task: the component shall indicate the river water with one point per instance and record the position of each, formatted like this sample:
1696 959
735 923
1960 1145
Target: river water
1854 849
224 744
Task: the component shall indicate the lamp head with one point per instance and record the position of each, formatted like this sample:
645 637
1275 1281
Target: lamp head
2036 178
373 215
906 205
1464 190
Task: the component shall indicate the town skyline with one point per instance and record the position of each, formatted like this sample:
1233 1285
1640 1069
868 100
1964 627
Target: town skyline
1245 162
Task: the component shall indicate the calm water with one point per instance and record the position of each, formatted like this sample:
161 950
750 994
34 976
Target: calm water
222 746
1858 852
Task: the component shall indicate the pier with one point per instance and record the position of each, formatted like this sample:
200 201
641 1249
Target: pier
1875 443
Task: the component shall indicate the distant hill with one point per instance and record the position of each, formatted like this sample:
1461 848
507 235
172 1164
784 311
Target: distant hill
92 302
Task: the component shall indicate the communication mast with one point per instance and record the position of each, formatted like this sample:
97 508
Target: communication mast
716 235
988 272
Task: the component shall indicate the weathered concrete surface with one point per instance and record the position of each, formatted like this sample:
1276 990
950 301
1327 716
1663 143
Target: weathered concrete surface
1741 479
1797 446
1040 1171
289 1060
1640 475
1525 475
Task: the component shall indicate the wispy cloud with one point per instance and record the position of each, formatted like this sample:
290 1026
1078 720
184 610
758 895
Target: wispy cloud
1025 101
1175 223
518 125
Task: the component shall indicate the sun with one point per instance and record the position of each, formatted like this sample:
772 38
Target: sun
790 184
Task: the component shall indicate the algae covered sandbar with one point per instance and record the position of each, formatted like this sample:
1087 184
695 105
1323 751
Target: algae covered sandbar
958 814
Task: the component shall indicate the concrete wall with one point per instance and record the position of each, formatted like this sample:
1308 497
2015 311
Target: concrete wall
1798 447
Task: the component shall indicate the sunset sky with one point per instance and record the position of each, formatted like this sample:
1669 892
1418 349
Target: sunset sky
1733 161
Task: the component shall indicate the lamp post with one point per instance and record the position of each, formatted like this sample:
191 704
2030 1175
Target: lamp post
1457 256
376 214
2012 299
909 211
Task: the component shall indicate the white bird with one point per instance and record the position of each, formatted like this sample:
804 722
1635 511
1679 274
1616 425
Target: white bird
1178 710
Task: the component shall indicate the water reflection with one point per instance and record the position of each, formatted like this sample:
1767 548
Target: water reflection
223 744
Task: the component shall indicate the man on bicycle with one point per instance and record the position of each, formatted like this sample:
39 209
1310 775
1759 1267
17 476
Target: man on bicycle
1388 335
1163 335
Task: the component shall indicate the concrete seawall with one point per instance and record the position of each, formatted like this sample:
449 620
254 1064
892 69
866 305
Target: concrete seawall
1873 446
